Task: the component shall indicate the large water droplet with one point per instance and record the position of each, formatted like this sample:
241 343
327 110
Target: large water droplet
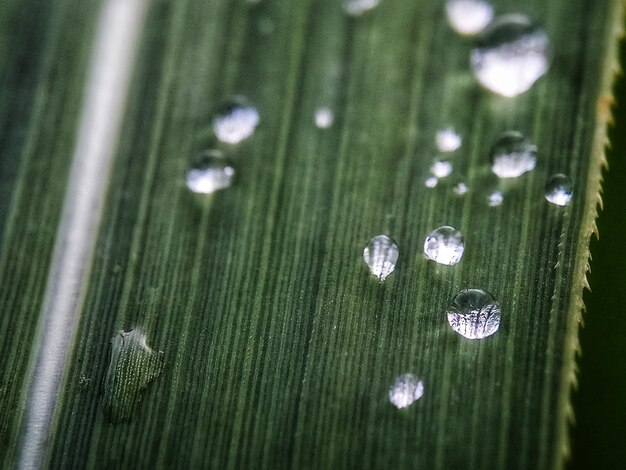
210 173
511 54
324 117
513 155
358 7
559 190
448 140
474 314
235 120
133 366
381 255
444 245
441 168
469 16
495 199
405 390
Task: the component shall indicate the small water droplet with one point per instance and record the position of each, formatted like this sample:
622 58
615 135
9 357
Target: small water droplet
133 367
474 314
381 255
460 188
324 117
511 55
513 155
559 190
358 7
235 120
405 391
495 199
469 16
448 140
441 168
444 245
210 173
431 182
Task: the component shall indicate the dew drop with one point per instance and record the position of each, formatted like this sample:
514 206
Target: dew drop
381 255
235 120
513 155
431 182
358 7
469 16
324 117
444 245
474 314
211 172
495 199
448 140
460 188
405 390
441 168
559 190
511 55
133 367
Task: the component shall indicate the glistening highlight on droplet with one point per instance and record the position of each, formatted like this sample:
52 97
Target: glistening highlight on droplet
235 120
512 53
512 155
469 16
381 255
441 168
559 190
210 172
324 117
405 391
444 245
448 140
474 314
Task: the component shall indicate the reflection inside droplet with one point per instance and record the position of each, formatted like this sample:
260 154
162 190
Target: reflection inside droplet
381 255
474 314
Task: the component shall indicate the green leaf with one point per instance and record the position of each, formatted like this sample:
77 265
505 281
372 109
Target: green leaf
259 339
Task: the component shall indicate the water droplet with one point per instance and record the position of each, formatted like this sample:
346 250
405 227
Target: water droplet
210 173
495 199
474 314
559 190
235 120
431 182
512 53
358 7
133 366
444 245
381 255
324 117
441 168
513 155
460 188
448 140
469 16
405 390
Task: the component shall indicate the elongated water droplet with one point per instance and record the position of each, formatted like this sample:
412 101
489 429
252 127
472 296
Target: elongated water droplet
235 120
513 155
559 190
133 366
358 7
448 140
405 391
474 314
381 255
495 199
441 168
431 182
444 245
469 16
324 117
460 188
511 55
209 173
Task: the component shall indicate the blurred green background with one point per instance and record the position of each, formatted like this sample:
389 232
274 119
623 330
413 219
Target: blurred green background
599 435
